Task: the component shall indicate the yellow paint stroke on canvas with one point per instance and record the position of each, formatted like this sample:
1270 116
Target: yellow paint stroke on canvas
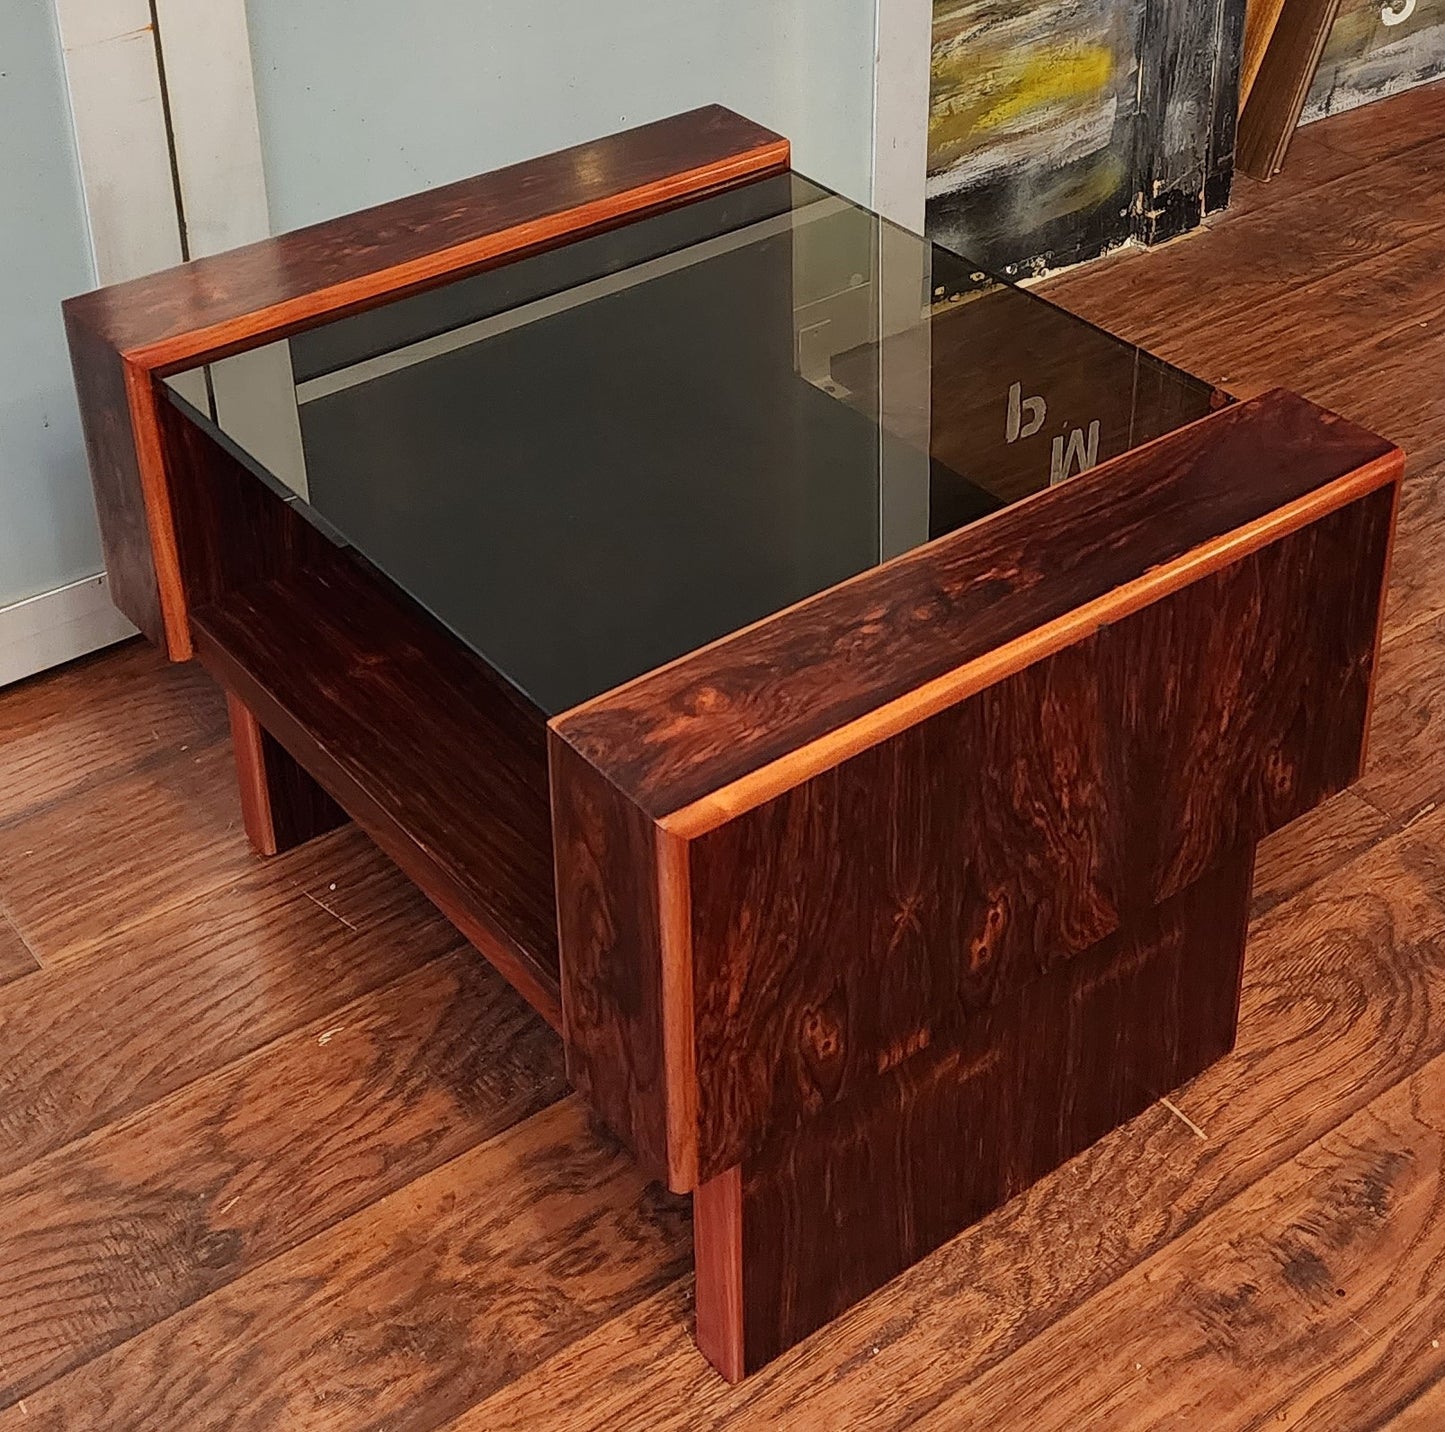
977 97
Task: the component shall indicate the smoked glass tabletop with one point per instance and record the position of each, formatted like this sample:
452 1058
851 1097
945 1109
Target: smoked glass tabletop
594 460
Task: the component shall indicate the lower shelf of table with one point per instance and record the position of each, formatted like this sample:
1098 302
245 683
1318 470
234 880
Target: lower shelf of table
430 752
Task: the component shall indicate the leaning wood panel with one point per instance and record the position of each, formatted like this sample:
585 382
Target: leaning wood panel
908 638
869 912
826 1216
1282 84
124 336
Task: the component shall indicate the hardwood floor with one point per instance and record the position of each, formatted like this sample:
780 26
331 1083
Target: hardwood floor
275 1152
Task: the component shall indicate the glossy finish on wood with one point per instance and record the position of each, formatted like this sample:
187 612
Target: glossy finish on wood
125 532
1143 1284
1087 552
876 910
822 1218
711 1009
609 920
857 900
124 336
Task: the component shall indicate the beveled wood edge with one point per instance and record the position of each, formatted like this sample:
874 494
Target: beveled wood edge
145 363
933 545
246 746
280 319
775 777
1380 630
143 395
717 1253
679 1041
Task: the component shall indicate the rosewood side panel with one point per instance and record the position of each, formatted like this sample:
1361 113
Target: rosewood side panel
947 870
818 1220
1064 765
874 909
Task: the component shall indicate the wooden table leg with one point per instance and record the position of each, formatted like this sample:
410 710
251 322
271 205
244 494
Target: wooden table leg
825 1215
281 805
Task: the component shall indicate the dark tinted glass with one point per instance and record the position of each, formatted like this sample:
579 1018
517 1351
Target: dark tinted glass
597 459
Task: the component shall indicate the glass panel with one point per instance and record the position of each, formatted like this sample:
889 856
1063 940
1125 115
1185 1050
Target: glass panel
594 460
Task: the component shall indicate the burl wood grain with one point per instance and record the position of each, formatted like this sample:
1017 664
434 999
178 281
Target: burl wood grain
125 336
609 920
682 733
1342 998
829 1214
866 914
125 534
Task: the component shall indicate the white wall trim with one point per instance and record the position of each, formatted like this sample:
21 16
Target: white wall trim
131 106
58 626
900 110
120 136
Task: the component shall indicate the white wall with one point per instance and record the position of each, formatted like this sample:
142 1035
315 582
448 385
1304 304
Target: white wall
365 100
47 521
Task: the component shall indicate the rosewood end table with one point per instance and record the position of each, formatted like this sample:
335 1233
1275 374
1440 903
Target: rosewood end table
841 691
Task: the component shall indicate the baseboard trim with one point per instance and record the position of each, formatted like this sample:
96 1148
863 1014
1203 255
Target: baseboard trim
57 627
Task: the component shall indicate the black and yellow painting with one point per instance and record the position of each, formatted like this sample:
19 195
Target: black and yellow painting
1061 128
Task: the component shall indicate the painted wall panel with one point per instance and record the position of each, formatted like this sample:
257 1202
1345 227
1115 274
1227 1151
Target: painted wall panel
47 520
1376 50
363 100
1031 127
1062 128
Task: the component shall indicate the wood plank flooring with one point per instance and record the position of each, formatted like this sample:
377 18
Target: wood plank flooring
277 1152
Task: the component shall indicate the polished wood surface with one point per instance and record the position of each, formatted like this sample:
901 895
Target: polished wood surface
126 336
211 304
609 917
850 903
1088 552
831 940
822 1218
1149 1278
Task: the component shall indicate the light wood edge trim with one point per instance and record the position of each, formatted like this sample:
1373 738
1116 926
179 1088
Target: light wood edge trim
679 1047
1379 631
717 1254
1261 19
249 753
780 775
141 398
197 345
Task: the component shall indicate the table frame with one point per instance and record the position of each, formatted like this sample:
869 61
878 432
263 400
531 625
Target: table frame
859 921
